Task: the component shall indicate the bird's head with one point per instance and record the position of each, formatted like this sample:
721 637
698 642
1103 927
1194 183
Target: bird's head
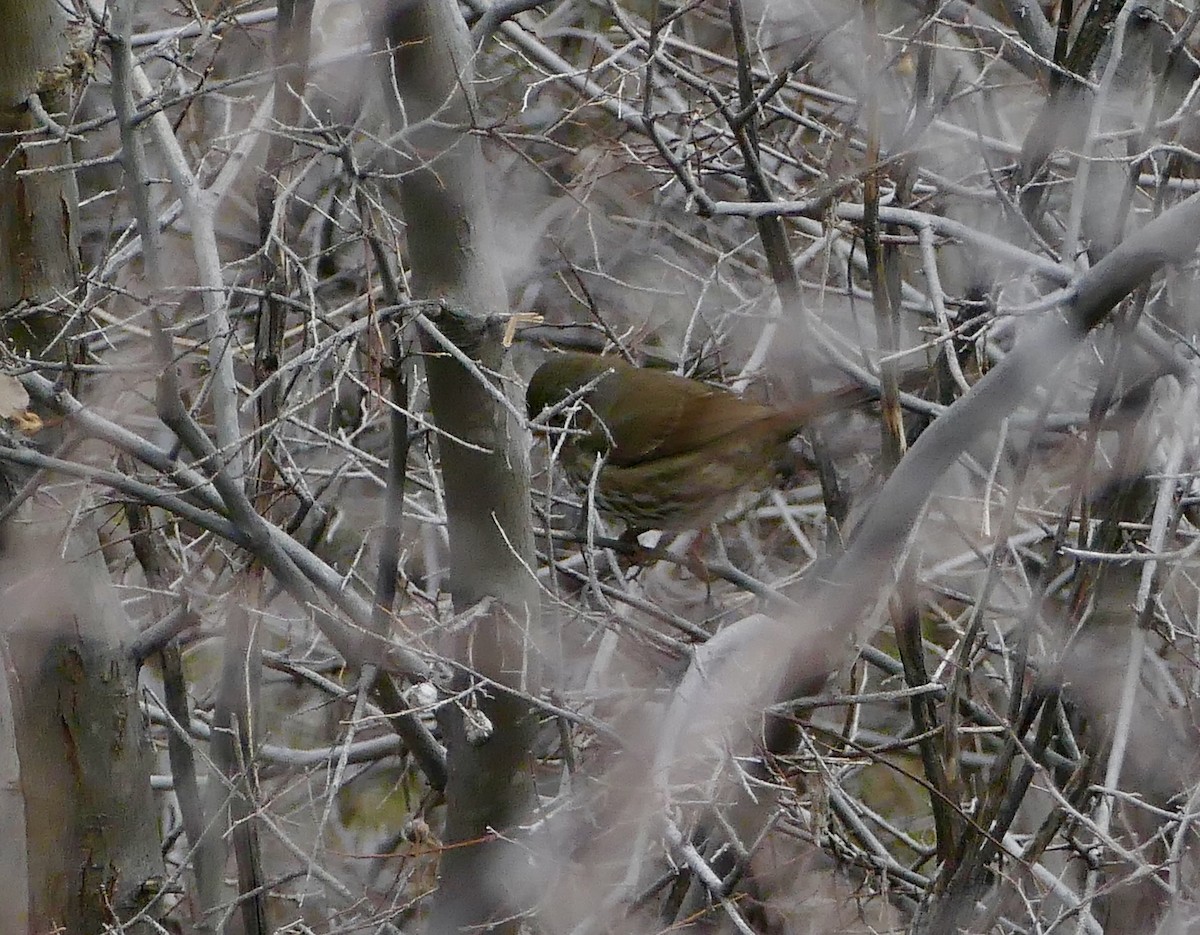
562 375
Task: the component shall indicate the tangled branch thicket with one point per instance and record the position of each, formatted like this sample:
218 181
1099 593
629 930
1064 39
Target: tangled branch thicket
773 196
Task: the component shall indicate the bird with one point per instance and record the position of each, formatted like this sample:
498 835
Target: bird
668 452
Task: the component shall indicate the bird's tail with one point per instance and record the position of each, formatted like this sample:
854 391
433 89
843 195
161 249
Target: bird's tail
796 418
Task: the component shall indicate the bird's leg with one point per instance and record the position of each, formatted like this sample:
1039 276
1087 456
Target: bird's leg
694 558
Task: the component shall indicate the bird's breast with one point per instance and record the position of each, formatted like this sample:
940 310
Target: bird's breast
683 491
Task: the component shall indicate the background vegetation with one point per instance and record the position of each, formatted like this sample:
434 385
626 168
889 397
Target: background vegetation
274 278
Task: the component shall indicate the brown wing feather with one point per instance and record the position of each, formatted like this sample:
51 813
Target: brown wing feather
649 414
704 415
688 423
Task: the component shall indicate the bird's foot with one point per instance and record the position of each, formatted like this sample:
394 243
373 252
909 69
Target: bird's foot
695 563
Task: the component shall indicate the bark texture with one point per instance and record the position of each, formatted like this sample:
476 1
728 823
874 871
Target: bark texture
451 255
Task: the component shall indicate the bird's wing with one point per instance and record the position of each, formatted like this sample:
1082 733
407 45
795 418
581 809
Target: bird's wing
651 415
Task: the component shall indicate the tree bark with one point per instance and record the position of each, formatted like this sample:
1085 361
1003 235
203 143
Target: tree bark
451 255
37 240
77 815
90 837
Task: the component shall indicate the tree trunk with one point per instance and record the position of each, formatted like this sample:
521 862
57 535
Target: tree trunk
451 254
77 816
90 837
37 242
